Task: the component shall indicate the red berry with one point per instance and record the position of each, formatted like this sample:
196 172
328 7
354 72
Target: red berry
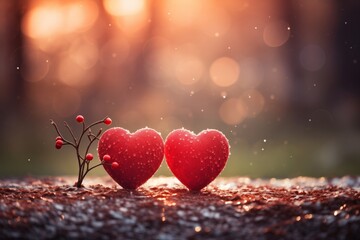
107 121
58 144
89 157
79 118
58 138
114 165
106 158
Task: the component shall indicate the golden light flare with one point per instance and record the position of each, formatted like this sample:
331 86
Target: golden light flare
224 71
43 21
54 18
175 11
276 33
124 7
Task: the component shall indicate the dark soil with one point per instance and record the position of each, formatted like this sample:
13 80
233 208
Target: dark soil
300 208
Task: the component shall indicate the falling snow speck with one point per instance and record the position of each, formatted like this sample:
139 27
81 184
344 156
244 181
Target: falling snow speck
29 159
202 110
264 140
310 120
17 68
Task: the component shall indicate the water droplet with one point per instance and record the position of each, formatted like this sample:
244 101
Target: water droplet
264 140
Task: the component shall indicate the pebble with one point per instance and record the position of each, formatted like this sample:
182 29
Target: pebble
235 208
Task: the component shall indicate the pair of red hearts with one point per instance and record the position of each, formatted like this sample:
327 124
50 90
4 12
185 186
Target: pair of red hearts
196 160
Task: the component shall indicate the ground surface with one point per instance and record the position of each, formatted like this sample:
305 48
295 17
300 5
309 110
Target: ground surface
236 208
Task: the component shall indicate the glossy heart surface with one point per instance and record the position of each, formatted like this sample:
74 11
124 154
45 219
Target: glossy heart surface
196 160
138 155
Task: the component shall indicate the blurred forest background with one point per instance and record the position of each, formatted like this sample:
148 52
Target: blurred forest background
280 78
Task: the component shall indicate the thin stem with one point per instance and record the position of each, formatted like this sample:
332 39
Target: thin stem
97 165
92 141
71 132
83 170
62 137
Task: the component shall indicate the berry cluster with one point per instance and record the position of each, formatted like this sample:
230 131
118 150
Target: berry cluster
85 159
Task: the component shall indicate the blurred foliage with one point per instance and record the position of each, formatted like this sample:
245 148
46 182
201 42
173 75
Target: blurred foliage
278 77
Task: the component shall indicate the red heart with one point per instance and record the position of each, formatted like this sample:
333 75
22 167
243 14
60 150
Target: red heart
196 160
138 154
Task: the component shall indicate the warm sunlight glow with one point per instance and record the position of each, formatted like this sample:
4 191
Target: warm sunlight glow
53 19
124 7
43 21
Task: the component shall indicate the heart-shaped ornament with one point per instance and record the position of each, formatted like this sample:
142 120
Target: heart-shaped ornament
138 155
196 160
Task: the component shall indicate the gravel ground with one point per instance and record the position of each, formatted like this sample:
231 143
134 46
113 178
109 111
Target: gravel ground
229 208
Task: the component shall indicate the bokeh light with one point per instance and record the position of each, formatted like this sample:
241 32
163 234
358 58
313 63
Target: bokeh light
224 71
312 57
189 70
253 69
124 7
276 33
53 18
233 111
